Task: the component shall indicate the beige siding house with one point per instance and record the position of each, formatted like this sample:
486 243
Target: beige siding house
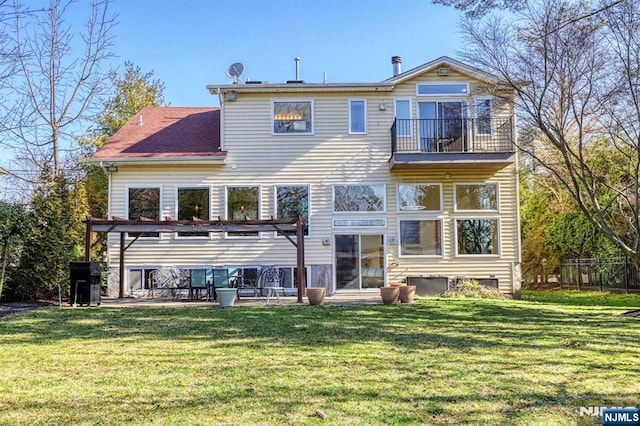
413 178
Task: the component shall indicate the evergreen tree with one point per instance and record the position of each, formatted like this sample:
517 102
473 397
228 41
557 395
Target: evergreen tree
14 227
55 238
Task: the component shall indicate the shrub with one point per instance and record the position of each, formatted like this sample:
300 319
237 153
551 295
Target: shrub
472 288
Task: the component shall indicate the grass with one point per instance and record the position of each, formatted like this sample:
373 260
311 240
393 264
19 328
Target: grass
440 361
584 298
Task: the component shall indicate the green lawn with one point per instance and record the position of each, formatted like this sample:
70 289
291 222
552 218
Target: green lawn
440 361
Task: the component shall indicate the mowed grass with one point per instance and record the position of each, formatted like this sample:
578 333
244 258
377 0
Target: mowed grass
439 361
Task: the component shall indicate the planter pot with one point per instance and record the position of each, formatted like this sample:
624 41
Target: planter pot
389 294
226 296
316 295
407 292
396 284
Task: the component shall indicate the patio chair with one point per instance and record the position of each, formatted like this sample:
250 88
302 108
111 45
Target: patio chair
169 282
198 283
246 281
272 280
176 281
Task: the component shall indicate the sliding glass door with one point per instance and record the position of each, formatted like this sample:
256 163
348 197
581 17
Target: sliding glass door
442 126
359 261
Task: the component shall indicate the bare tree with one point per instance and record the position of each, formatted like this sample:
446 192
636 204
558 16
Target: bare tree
479 8
58 83
576 85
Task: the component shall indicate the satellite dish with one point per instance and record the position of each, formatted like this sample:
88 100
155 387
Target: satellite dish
234 71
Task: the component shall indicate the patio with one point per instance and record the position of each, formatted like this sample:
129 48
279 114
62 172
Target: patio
340 299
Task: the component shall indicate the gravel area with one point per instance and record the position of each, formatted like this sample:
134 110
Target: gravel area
10 308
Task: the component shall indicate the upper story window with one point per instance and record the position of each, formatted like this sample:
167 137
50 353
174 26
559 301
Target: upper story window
243 202
359 198
442 89
403 116
476 196
193 202
292 117
357 116
292 202
143 203
483 116
415 196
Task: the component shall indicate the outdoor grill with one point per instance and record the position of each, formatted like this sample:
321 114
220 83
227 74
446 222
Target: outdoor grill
84 281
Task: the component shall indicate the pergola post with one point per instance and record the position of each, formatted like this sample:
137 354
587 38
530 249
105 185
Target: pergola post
122 249
302 281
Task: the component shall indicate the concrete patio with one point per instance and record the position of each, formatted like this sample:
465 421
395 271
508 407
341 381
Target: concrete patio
340 299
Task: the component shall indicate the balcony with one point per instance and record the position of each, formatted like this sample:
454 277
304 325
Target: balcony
452 142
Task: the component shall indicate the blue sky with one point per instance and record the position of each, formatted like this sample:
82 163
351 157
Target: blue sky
189 44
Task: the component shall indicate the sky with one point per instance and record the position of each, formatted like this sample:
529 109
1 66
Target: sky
191 43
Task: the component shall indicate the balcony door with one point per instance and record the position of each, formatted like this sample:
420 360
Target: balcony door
359 261
442 126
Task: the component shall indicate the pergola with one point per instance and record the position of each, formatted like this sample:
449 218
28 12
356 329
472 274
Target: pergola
282 226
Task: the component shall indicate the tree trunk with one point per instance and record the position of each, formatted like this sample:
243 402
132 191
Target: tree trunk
5 255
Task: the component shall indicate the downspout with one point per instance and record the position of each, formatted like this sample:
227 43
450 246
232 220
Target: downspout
516 269
221 101
108 251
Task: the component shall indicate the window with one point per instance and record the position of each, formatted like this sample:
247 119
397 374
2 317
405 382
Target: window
141 279
477 236
403 117
359 223
421 237
476 196
413 197
483 116
243 201
143 203
440 89
292 117
292 202
357 117
359 198
193 202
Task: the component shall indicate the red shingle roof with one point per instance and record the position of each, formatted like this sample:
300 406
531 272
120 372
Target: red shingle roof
166 132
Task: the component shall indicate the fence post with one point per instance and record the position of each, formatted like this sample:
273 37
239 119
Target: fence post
579 273
599 273
626 275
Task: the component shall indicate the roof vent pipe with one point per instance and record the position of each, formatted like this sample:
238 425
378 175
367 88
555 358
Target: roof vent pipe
396 61
297 59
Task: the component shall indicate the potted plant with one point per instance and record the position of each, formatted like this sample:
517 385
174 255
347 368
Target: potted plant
407 293
389 294
315 295
226 296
